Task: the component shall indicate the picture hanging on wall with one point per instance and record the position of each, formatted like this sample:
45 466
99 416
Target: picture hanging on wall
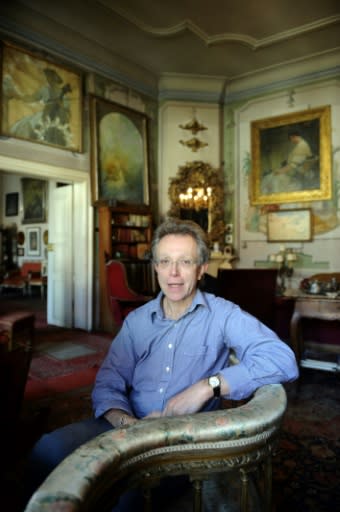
293 225
12 204
41 101
291 157
33 242
34 192
120 156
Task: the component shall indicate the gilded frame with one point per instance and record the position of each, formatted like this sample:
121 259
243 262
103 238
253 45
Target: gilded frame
41 100
291 157
119 154
294 225
197 174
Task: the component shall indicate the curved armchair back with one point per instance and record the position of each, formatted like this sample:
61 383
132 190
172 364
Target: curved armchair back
122 299
241 438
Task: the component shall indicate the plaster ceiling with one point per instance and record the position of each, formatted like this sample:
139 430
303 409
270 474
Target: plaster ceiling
223 38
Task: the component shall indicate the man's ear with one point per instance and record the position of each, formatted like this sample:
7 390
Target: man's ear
202 271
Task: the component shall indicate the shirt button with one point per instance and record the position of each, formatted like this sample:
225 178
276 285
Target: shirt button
170 345
167 368
161 390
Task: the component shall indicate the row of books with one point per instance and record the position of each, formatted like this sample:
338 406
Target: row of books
128 235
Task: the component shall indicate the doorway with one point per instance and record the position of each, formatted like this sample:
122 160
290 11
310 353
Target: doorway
75 286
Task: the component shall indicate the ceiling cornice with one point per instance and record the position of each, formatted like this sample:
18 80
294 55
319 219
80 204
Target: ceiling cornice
227 37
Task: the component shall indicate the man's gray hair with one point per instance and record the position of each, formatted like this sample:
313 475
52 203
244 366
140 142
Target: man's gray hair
174 226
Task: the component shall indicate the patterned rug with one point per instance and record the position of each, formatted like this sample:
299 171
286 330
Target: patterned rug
306 470
64 360
55 359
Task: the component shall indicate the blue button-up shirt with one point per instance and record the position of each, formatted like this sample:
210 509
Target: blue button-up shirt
153 358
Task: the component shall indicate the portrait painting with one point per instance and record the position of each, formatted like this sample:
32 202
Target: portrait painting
120 164
34 192
291 157
41 101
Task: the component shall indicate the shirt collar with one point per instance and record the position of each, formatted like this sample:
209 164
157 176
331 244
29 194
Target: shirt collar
156 305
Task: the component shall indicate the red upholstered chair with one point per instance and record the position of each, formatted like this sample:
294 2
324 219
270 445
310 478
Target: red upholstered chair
122 299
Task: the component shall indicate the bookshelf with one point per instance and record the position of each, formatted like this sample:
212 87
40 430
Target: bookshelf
124 233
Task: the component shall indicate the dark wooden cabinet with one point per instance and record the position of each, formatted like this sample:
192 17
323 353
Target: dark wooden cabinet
8 250
124 233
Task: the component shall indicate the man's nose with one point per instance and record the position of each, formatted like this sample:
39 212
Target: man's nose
174 266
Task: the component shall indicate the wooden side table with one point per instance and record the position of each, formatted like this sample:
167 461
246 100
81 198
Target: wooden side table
316 307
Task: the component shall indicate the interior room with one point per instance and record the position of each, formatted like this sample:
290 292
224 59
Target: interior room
118 114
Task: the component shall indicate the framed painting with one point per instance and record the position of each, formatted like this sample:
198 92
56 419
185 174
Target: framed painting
291 157
33 241
34 194
119 154
12 204
41 101
293 225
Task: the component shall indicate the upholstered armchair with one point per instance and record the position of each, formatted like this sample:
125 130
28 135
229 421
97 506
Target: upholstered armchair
16 347
241 439
122 299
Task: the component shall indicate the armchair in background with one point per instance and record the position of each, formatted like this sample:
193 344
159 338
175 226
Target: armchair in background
122 299
16 347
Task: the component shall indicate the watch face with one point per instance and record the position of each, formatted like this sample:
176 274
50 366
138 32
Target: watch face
214 381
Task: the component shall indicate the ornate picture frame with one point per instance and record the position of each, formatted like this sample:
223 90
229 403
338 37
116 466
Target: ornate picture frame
294 225
291 157
197 175
119 154
41 100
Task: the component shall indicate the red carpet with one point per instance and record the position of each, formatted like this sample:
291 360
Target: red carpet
49 374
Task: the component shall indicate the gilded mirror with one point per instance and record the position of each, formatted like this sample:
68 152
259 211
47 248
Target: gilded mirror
197 193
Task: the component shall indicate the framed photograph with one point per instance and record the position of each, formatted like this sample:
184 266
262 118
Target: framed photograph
289 225
12 204
120 154
34 194
291 157
33 241
41 101
20 251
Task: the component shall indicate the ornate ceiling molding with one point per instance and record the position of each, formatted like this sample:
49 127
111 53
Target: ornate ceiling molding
227 37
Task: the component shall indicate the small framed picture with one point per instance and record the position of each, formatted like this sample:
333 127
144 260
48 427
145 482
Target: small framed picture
20 251
33 242
293 225
12 203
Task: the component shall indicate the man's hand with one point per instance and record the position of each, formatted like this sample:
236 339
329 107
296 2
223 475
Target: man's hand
190 400
119 418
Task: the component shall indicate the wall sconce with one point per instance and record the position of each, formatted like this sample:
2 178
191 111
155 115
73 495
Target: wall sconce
284 259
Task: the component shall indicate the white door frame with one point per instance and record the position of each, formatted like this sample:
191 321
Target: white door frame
58 173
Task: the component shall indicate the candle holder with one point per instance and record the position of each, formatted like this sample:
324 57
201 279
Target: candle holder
284 260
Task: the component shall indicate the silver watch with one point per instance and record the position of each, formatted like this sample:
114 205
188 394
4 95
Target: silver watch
215 382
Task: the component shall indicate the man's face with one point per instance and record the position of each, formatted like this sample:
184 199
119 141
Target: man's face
177 268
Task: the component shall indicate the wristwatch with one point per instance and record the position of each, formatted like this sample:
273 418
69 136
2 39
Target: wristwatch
215 383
